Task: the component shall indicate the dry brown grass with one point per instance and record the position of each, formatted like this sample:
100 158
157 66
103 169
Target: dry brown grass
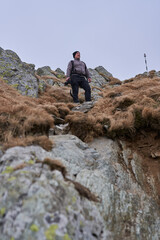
131 105
114 81
42 141
83 191
22 116
55 164
20 166
84 126
123 110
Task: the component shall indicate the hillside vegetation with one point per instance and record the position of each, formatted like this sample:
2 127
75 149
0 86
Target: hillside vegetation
130 112
123 111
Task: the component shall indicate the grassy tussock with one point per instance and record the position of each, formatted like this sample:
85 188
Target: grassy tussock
84 126
42 141
56 94
131 105
123 110
23 120
114 81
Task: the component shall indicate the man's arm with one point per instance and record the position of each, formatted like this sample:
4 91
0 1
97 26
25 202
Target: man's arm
68 73
69 69
88 75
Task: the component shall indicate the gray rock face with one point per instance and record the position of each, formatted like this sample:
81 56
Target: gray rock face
51 77
102 71
97 79
60 73
46 70
84 107
157 74
58 70
18 74
129 212
36 203
97 83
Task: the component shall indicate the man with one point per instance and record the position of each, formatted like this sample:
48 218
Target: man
78 75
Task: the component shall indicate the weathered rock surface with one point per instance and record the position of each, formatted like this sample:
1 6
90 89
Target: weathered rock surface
102 71
21 75
17 73
51 77
84 107
36 203
60 73
129 212
97 79
46 71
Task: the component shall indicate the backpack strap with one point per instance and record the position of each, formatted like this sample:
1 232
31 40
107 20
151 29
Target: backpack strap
72 70
85 67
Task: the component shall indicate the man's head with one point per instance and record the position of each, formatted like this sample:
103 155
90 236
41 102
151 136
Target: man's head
76 55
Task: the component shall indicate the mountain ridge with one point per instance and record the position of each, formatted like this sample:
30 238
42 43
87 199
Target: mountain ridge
109 146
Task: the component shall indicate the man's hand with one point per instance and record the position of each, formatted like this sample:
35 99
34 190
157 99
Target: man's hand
89 80
67 81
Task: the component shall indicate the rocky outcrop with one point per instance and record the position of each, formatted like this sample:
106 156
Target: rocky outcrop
97 79
105 190
102 71
46 71
18 74
100 77
129 211
30 82
37 203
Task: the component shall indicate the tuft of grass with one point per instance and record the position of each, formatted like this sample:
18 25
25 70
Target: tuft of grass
23 117
42 141
55 164
83 191
122 111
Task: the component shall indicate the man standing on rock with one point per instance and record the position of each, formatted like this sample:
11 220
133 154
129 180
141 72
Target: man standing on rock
79 76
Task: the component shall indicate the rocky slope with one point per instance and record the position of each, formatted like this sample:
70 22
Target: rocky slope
56 186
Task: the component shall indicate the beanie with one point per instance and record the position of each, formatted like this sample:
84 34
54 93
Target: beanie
75 53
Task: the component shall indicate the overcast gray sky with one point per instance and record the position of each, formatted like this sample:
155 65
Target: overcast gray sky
111 33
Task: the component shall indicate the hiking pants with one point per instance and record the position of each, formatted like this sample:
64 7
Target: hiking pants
80 81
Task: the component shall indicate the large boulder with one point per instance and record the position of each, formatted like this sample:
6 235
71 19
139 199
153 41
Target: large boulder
97 79
103 72
18 74
107 169
46 71
51 77
60 73
120 181
37 203
98 82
